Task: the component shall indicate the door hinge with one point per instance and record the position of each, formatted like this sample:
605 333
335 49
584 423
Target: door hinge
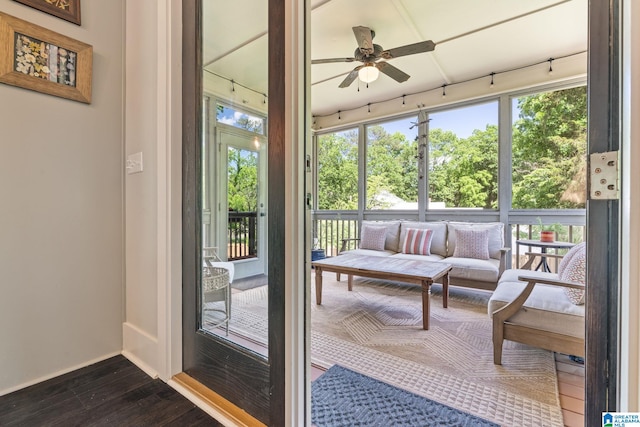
605 176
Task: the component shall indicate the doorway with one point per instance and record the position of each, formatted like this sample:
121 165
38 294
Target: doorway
241 173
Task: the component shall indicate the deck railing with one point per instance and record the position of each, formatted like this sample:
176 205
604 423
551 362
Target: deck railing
242 231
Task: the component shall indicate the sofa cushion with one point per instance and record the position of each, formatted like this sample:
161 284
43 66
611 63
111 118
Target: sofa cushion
496 235
574 270
547 307
474 269
471 243
438 239
417 241
392 236
512 274
432 257
373 237
369 252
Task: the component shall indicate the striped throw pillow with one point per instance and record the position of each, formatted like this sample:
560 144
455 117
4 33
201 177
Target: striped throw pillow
417 241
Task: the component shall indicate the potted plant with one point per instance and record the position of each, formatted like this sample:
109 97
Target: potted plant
547 232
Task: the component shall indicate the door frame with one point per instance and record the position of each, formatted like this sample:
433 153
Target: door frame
285 375
602 373
222 190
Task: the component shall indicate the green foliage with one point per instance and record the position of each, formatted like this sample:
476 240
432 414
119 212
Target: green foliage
549 161
392 167
463 172
338 171
242 172
549 150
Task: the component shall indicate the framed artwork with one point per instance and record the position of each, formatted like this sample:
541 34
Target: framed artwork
65 9
33 57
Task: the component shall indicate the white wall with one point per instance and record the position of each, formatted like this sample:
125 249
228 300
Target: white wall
630 206
61 211
151 331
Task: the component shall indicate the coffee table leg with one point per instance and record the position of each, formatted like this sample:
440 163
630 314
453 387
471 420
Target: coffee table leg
318 285
445 290
350 282
426 290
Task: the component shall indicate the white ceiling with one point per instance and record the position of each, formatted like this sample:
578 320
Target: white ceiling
473 38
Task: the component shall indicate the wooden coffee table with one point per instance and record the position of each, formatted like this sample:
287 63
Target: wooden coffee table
423 273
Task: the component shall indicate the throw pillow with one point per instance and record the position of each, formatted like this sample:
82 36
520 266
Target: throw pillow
472 244
373 237
417 241
568 257
575 270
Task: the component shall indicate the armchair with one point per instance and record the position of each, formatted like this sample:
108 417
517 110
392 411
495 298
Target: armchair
544 310
217 276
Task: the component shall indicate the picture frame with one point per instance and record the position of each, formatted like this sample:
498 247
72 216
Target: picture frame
68 10
35 58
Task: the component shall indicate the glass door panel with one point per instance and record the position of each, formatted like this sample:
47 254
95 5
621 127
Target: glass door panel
224 215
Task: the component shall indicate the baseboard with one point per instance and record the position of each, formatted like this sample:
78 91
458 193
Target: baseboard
140 364
140 348
58 373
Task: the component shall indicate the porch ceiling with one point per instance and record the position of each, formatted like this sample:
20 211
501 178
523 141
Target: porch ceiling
473 38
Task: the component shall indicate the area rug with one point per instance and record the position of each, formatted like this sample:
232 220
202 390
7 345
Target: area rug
377 330
343 398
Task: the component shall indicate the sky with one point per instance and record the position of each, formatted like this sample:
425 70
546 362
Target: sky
462 121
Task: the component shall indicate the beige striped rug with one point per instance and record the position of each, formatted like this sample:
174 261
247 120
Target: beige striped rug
377 330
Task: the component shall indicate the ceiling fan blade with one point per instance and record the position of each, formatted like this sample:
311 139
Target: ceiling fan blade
351 77
364 37
330 60
393 72
410 49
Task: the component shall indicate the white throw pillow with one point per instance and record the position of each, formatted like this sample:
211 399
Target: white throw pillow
574 270
373 237
472 244
496 235
393 233
417 241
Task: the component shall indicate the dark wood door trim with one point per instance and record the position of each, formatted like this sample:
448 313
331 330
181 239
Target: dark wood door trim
277 170
244 378
601 370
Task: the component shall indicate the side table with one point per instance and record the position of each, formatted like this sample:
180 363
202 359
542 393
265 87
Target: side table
543 265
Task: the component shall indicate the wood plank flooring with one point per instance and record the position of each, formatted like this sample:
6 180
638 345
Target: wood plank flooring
571 390
113 392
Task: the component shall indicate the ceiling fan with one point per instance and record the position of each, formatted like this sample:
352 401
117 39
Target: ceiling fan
374 57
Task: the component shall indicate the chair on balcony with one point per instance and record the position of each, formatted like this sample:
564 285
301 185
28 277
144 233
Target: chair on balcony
217 276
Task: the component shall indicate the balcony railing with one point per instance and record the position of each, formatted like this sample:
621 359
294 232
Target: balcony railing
242 232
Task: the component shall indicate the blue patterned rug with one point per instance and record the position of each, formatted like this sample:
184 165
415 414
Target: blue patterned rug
342 397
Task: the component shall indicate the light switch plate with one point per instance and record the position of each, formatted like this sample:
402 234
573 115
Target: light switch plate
134 163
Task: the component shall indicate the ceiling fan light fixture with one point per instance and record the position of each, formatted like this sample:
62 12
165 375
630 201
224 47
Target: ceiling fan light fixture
368 73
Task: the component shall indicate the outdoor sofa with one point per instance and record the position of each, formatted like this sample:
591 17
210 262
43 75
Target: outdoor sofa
475 250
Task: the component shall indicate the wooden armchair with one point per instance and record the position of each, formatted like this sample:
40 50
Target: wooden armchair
533 308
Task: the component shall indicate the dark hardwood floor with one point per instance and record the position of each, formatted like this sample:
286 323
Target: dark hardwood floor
113 392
